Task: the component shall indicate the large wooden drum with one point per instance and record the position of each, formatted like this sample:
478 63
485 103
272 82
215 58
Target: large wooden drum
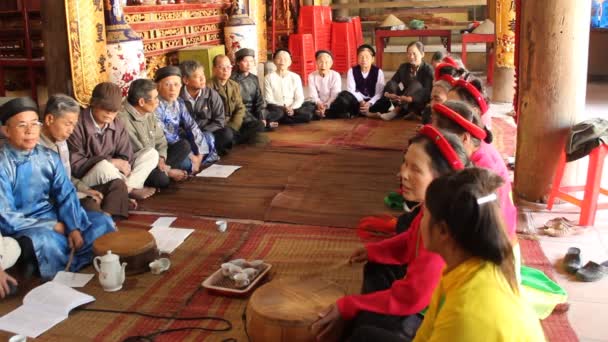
136 247
283 311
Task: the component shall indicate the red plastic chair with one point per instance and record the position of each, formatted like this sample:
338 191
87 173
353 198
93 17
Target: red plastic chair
589 204
302 55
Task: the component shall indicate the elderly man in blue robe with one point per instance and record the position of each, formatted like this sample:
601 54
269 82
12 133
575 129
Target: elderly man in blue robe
38 200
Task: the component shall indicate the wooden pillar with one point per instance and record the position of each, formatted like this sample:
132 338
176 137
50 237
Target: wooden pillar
503 87
343 12
56 54
552 86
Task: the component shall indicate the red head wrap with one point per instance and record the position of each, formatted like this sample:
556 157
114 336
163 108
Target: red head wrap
468 126
444 146
481 102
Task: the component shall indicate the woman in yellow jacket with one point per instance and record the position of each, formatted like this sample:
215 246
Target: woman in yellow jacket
477 298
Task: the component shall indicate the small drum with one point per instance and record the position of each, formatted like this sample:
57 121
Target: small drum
283 310
136 247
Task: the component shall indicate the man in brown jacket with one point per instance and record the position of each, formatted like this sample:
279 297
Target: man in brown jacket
245 127
100 150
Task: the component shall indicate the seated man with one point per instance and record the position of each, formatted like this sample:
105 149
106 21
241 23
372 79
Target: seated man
244 127
60 119
145 132
183 135
100 150
250 89
37 200
205 105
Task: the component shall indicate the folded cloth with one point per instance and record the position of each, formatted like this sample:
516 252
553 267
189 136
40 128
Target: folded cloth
585 136
542 293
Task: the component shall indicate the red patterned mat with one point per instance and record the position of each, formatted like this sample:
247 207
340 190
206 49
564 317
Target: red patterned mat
505 136
556 326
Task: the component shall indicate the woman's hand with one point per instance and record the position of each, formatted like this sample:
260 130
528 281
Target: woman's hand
95 195
5 279
329 326
358 256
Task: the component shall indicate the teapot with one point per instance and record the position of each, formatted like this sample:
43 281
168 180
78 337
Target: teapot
111 272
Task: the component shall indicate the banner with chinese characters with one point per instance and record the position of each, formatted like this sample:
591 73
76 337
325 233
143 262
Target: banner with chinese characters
87 46
505 33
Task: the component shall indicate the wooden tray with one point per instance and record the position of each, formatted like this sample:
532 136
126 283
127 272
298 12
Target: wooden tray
222 285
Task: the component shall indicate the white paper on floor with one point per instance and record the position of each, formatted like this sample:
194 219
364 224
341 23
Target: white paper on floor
218 171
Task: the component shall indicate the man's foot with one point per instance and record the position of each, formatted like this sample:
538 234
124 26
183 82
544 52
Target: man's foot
143 193
177 175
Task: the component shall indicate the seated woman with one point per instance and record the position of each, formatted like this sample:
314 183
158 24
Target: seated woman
284 94
391 296
469 90
38 201
437 58
478 297
364 85
410 87
324 84
60 118
458 118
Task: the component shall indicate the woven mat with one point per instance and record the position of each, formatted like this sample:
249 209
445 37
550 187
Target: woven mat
293 252
338 188
354 133
505 136
556 326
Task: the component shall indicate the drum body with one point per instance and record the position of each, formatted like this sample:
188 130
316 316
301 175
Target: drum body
136 247
283 310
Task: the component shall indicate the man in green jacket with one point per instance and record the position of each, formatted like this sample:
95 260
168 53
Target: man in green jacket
246 127
145 131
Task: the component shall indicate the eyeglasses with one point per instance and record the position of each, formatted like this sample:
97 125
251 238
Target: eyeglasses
24 126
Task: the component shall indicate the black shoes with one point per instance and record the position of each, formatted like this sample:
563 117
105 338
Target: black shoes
592 271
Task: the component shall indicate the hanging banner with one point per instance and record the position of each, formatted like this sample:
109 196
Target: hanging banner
505 33
87 46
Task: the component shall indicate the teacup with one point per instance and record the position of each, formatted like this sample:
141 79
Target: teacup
239 262
159 266
229 269
251 272
18 338
241 279
256 263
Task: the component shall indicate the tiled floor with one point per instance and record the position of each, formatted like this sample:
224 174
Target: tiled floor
588 301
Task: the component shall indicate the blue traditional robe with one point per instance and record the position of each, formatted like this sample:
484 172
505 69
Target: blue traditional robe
35 194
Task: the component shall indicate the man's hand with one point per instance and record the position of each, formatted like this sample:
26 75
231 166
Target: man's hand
122 165
95 195
5 279
289 110
75 239
364 107
196 162
59 228
405 99
163 166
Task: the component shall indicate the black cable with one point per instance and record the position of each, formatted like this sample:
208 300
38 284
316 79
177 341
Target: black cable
152 336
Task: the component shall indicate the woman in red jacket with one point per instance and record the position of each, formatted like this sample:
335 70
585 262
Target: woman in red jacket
392 299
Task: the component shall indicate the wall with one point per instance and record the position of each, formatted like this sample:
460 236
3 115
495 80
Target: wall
598 54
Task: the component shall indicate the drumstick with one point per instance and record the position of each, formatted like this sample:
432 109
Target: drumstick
332 268
67 267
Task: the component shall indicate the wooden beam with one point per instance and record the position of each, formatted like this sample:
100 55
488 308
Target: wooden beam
56 54
552 86
412 3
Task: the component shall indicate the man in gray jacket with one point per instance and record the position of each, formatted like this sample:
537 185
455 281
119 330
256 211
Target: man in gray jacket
205 105
144 131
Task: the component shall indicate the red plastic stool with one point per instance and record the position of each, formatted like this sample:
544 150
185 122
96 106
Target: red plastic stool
302 55
358 31
592 188
343 46
316 20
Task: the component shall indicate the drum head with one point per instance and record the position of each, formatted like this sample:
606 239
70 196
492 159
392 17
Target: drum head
125 242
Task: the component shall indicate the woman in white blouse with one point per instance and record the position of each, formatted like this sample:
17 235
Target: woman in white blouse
324 84
365 85
284 94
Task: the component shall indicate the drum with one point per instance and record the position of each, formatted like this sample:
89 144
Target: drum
136 247
283 310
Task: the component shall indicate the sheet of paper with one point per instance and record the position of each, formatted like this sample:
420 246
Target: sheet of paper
43 307
72 279
218 171
163 221
168 239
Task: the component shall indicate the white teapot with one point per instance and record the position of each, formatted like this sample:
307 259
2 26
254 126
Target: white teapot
111 272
